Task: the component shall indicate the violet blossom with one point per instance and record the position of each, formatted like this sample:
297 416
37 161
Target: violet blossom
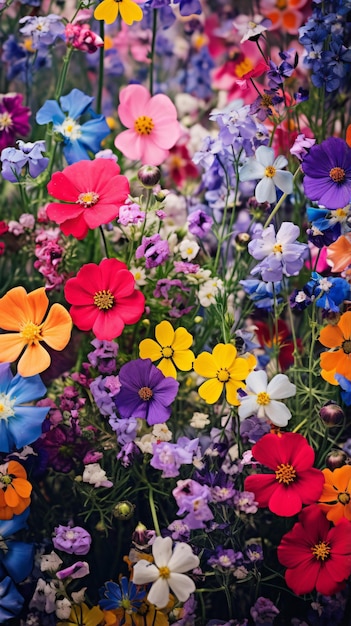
104 355
77 570
72 539
169 457
280 254
104 390
154 249
199 223
27 155
192 499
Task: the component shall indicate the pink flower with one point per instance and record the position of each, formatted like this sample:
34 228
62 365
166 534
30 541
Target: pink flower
92 192
152 125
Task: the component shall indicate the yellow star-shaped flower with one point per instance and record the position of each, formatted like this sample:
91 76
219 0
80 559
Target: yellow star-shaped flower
108 10
171 348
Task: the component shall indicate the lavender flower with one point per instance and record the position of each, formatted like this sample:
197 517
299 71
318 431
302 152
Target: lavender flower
104 390
72 539
263 612
280 254
199 223
225 559
28 155
104 356
145 392
43 30
192 499
168 457
154 249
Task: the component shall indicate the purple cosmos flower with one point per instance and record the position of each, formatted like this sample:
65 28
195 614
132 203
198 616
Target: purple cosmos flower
154 249
72 539
28 154
327 169
199 223
13 119
280 254
145 392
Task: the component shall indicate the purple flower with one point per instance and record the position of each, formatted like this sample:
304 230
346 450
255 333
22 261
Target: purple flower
263 612
199 223
192 498
28 154
104 390
13 119
327 169
72 539
280 254
42 30
244 502
126 429
301 146
154 249
225 559
77 570
145 393
252 429
104 356
168 457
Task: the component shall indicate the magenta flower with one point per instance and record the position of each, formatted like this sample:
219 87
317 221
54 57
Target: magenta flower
14 119
327 169
151 122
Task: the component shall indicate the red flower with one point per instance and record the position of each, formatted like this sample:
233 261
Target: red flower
317 555
294 481
104 298
268 341
93 192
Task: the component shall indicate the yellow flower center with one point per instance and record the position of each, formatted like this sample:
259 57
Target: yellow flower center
281 4
344 498
126 604
321 550
31 332
337 174
6 407
143 125
266 100
285 473
278 248
263 398
346 346
5 120
145 393
87 199
223 375
340 213
28 44
167 352
69 128
164 572
244 67
5 479
104 299
270 171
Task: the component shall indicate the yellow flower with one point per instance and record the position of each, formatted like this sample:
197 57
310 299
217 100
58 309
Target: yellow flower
108 10
81 615
223 369
171 348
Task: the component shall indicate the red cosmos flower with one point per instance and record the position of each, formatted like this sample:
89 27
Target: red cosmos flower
294 481
267 340
104 298
317 555
93 192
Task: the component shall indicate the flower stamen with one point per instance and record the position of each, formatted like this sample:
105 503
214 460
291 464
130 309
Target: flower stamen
167 352
5 120
223 375
346 346
321 550
145 393
285 473
164 572
143 125
87 199
337 174
270 171
31 333
263 398
104 299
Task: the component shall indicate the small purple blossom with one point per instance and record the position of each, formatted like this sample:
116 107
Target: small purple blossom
14 119
72 539
130 213
169 457
301 146
225 559
145 392
125 428
252 429
42 30
104 390
154 249
199 223
49 252
104 356
192 499
263 612
244 502
27 155
77 570
280 254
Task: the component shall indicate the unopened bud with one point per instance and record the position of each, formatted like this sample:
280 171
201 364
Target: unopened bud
124 510
149 176
335 459
242 241
332 414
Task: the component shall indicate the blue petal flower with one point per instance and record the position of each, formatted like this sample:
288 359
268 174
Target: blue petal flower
11 601
75 103
50 112
18 559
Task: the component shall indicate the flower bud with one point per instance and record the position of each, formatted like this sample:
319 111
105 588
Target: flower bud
242 241
332 414
149 176
123 510
335 459
142 537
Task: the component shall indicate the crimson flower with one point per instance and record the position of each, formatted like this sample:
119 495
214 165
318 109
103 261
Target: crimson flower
93 192
316 554
283 342
294 481
104 298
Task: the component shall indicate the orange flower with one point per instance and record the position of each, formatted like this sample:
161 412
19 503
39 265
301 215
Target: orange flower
338 338
15 490
339 253
336 496
24 314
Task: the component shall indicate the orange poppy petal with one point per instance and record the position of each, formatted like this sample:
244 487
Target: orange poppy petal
339 253
11 346
334 512
345 324
333 361
23 487
14 309
16 469
329 377
6 513
34 361
56 330
38 302
342 477
22 506
331 336
12 498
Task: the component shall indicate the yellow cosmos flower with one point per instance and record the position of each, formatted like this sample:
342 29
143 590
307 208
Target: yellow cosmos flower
81 615
108 10
224 369
171 348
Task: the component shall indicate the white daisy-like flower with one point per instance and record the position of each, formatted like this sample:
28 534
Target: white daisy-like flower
167 571
266 167
188 249
263 398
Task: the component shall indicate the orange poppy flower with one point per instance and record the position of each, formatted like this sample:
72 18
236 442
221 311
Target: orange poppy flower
339 253
23 313
336 495
338 338
15 490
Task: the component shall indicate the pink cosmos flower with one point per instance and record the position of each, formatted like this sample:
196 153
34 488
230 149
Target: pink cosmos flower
152 125
104 298
93 192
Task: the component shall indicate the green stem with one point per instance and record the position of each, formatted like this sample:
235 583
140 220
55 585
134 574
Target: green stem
153 511
101 69
152 51
104 241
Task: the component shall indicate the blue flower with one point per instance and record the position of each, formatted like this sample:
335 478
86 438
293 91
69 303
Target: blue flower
11 601
20 423
16 557
125 596
328 292
78 139
345 385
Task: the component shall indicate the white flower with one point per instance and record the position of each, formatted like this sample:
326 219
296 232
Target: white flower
262 398
167 571
188 249
63 608
199 420
95 475
50 562
139 274
265 167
